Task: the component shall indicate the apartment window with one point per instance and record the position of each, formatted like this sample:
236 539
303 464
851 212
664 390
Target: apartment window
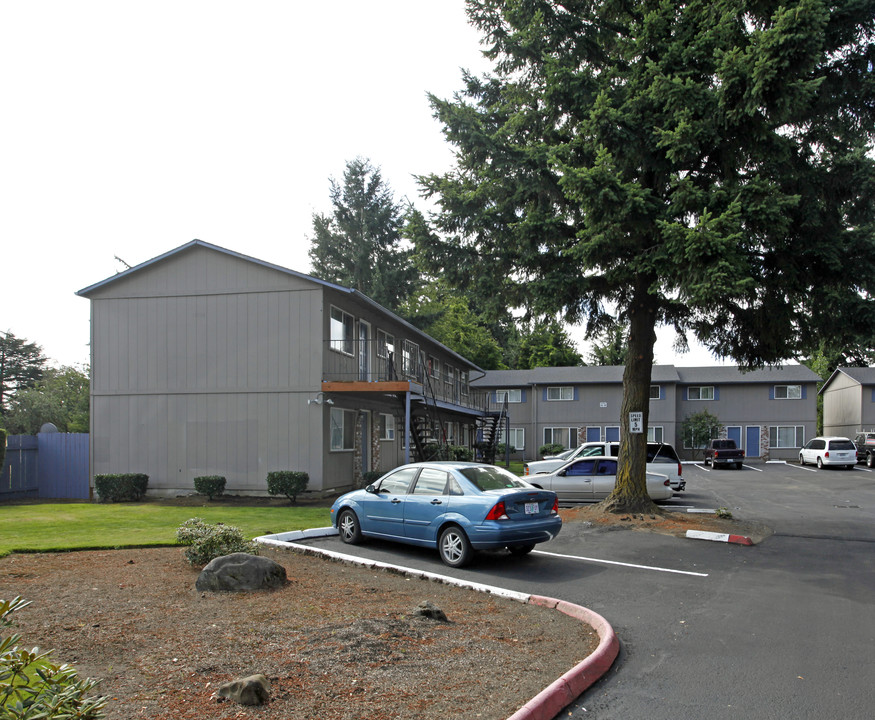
449 375
788 392
654 392
410 359
463 381
342 331
385 344
342 429
434 367
560 393
387 427
513 396
517 438
786 436
654 434
564 436
700 392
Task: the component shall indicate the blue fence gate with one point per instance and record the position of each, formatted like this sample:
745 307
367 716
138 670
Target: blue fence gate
49 465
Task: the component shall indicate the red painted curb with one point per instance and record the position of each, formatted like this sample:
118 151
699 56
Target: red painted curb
548 703
740 540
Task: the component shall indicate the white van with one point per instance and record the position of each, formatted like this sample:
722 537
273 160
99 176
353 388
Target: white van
661 459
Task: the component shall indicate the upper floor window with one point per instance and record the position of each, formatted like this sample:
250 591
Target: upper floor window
463 381
654 392
342 331
410 359
564 392
513 396
700 392
434 367
385 344
788 392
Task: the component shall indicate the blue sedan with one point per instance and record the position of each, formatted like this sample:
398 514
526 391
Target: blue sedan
457 507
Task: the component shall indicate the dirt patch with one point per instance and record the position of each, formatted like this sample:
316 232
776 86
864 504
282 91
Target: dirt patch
337 642
666 522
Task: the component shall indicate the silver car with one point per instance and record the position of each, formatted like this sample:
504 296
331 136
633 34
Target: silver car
592 478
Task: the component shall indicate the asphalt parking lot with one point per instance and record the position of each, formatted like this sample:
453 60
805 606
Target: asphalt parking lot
713 630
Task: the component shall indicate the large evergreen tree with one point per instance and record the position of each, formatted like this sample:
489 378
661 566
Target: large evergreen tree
701 165
359 244
22 364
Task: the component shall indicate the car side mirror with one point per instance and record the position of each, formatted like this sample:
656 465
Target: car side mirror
371 489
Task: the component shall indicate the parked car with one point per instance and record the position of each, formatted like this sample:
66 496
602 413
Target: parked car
724 452
588 479
661 460
865 444
822 451
456 507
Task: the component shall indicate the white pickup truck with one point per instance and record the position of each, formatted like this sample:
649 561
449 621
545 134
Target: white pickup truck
661 459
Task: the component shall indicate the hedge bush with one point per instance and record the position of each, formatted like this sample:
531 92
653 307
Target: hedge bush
31 686
123 487
210 485
551 449
207 542
370 477
460 453
290 483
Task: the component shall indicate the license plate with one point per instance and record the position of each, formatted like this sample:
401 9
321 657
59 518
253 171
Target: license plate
532 508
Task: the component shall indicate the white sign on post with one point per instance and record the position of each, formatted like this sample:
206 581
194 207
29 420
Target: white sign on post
636 422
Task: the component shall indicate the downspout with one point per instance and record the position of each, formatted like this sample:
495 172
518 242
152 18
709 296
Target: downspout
407 427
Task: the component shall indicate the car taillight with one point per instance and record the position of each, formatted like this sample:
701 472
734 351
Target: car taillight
666 483
826 454
556 506
680 470
527 469
498 512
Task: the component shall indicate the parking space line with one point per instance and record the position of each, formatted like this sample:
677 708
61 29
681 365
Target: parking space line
621 564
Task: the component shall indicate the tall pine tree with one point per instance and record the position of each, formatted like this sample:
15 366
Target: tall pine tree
701 165
359 244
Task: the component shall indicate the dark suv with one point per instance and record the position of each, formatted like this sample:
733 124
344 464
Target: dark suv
865 444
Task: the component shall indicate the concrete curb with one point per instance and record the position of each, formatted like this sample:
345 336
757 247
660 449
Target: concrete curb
719 537
547 703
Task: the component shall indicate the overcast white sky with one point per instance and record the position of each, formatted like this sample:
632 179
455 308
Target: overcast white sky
130 128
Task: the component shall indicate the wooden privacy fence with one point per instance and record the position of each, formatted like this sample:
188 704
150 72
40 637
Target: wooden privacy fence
48 465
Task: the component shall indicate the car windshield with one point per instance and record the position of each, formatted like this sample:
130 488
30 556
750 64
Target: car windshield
489 477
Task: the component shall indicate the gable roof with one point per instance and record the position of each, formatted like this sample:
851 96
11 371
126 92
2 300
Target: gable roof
725 374
91 289
860 375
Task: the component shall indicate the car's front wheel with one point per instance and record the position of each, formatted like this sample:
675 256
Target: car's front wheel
454 547
870 460
801 459
348 525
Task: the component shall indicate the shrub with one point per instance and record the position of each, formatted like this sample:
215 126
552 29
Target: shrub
123 487
207 542
31 686
290 483
460 453
210 485
550 449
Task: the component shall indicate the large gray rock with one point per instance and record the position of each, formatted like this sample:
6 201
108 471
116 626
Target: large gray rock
252 690
240 572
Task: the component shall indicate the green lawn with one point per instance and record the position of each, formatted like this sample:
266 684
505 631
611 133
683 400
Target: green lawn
79 526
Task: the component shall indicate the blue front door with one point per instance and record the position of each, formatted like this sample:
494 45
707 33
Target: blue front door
752 441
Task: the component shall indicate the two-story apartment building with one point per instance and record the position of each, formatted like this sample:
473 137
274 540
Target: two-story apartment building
769 412
849 401
208 362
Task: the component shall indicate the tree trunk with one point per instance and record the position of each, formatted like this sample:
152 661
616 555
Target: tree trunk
630 494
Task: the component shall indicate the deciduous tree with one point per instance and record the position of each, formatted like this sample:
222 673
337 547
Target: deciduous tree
701 165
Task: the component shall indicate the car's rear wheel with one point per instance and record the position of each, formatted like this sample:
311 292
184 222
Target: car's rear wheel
348 525
520 549
820 462
454 547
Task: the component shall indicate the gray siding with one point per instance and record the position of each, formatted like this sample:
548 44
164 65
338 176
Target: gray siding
203 364
845 403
